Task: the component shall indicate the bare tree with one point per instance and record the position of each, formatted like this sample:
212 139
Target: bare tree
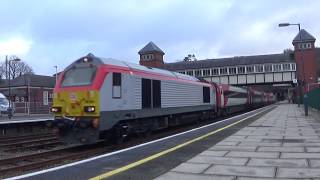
16 69
190 58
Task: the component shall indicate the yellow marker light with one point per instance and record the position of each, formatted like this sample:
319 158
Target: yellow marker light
55 109
89 109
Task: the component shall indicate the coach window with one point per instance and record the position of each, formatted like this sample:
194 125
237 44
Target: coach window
206 95
116 85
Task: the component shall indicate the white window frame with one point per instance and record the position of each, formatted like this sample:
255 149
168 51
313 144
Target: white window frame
240 68
257 67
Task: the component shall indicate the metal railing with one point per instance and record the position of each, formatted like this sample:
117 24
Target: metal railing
31 108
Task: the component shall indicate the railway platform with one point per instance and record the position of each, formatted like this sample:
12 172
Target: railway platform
274 142
282 144
21 118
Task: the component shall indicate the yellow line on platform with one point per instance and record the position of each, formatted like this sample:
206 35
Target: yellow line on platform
142 161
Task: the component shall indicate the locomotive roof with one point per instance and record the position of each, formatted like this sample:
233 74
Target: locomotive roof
115 62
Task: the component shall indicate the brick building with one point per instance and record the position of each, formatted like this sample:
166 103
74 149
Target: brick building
36 88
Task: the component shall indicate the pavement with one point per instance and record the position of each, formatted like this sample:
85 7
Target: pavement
22 116
282 144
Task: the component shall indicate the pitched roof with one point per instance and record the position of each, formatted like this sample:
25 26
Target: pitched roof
150 47
305 37
231 61
30 80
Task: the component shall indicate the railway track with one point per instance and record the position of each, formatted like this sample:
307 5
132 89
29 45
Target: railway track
17 165
28 142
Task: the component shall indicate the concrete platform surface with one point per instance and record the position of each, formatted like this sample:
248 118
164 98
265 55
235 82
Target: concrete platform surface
19 117
282 144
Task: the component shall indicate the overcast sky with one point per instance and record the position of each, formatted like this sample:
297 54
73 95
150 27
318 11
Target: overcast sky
48 33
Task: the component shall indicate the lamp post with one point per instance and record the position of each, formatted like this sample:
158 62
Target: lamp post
8 65
56 67
301 49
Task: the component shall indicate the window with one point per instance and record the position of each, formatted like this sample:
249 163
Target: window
206 72
206 95
232 70
79 76
197 73
241 70
156 93
146 93
223 71
286 67
182 72
151 93
268 68
22 99
277 67
45 97
293 66
17 99
116 85
250 69
215 71
190 73
304 45
259 68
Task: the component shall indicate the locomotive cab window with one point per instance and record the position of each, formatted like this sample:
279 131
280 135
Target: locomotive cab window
79 76
116 85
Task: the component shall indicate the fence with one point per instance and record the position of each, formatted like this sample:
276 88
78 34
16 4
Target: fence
314 98
31 108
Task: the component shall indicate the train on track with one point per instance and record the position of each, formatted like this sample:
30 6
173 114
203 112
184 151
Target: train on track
106 99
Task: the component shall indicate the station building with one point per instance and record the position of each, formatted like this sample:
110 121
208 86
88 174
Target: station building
36 88
275 71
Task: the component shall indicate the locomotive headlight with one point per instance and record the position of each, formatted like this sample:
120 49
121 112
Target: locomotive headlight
89 109
55 109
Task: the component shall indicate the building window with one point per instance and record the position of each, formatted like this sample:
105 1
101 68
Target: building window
286 67
259 68
277 67
182 72
268 68
116 85
17 99
197 73
190 73
241 70
250 69
22 99
215 71
206 72
305 45
45 97
223 71
232 70
293 66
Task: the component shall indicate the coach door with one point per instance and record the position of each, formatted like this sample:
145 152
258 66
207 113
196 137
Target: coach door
151 93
